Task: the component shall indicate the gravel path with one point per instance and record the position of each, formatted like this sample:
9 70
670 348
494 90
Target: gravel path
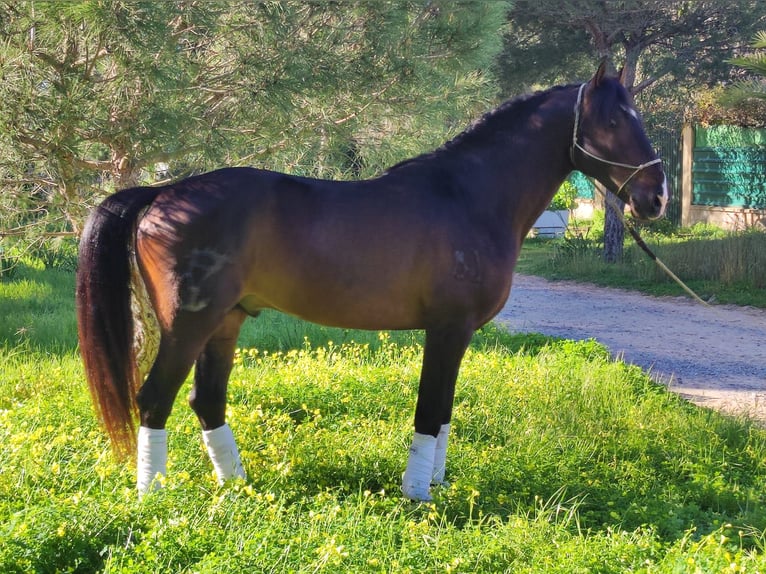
713 356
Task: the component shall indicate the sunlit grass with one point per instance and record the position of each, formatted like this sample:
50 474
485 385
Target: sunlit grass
561 460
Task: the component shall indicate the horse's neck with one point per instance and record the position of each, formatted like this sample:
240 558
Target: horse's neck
522 162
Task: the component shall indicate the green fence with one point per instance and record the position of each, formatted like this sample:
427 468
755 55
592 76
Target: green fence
584 185
729 167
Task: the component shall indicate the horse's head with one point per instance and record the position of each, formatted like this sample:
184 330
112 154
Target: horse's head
609 144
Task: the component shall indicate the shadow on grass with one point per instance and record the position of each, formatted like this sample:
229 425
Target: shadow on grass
37 309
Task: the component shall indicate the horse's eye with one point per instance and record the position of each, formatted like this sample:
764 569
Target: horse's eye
613 123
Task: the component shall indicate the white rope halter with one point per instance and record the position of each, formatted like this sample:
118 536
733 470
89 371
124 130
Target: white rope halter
576 145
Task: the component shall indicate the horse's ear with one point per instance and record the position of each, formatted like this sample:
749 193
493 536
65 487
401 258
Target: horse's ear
600 73
621 75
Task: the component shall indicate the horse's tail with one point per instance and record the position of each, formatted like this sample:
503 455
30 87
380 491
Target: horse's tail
104 318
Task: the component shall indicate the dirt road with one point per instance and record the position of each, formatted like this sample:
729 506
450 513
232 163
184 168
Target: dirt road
714 356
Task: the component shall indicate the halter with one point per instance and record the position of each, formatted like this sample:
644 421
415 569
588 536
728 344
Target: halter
576 145
610 200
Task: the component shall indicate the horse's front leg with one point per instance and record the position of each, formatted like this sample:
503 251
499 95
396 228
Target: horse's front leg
444 350
208 397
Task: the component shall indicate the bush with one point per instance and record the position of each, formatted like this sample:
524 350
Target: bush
56 253
565 198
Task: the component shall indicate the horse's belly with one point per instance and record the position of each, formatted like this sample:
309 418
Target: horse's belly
412 300
385 277
340 305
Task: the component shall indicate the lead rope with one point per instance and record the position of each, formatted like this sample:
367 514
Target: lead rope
610 200
642 244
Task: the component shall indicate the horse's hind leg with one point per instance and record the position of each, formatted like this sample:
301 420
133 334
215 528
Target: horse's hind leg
444 350
175 358
208 397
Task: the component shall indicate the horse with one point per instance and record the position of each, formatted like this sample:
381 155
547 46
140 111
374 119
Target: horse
430 244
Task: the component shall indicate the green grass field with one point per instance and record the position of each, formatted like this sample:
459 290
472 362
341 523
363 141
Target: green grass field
719 266
562 460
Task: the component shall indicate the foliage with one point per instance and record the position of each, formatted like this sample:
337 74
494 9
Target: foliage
8 264
562 460
717 107
686 44
101 95
751 91
667 51
755 63
565 198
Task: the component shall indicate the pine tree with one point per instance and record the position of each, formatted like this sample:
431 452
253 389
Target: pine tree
103 94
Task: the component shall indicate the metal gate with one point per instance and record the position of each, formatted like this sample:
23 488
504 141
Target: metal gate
668 147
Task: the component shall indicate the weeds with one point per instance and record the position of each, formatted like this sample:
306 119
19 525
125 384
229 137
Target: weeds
735 259
560 459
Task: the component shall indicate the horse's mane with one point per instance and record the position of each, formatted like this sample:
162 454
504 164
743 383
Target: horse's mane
509 112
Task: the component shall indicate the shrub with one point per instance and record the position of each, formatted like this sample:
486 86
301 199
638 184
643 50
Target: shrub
565 198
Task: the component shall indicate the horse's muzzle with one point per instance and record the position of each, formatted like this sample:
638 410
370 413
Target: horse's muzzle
649 204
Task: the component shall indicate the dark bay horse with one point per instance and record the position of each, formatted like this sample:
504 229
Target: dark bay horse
430 244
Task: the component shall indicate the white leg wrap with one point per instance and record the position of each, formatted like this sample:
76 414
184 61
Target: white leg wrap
152 459
440 456
420 466
223 453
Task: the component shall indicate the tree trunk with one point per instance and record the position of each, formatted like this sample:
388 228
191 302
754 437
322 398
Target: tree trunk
125 172
614 232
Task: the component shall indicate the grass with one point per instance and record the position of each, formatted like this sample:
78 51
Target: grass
562 460
722 267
